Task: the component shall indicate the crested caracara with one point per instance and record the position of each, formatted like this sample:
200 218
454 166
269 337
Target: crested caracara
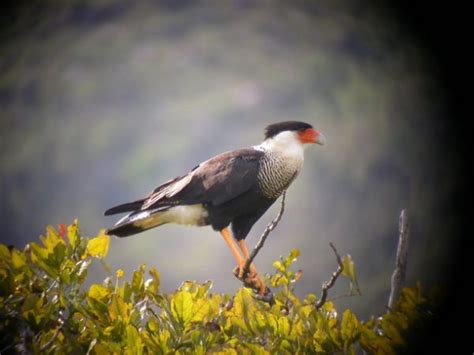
231 189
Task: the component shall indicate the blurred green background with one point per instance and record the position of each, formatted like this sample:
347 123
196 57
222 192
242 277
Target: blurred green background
101 101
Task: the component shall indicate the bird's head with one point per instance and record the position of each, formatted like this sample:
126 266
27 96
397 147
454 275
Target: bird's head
293 132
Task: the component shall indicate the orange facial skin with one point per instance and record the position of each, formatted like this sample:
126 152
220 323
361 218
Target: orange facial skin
309 135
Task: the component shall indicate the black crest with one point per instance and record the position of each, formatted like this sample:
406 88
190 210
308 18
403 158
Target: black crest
273 129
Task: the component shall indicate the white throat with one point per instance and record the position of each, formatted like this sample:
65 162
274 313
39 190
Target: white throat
281 163
285 144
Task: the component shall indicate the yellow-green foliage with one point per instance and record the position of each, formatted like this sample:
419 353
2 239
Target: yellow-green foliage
45 308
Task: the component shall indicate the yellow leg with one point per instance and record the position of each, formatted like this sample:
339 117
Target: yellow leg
230 242
253 270
245 250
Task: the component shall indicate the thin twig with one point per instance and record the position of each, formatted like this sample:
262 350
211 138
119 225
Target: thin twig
398 276
271 226
55 335
328 284
51 341
347 295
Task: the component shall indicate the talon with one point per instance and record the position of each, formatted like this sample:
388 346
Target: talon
241 272
253 278
238 271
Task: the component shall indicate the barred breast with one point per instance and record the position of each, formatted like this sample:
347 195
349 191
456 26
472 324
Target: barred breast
276 173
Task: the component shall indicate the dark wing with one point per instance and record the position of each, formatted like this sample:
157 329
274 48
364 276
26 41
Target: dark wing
215 181
138 205
163 194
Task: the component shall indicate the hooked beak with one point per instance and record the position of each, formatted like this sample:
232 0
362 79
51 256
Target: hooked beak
320 138
312 135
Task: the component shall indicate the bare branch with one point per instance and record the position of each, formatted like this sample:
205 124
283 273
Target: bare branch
346 295
328 284
398 276
271 226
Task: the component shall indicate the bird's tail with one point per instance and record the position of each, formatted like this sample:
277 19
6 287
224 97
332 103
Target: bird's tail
137 222
124 230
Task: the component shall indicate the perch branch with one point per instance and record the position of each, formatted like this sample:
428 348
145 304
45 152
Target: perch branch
248 282
398 276
328 284
271 226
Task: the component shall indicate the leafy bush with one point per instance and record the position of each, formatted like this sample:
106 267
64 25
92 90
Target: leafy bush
44 308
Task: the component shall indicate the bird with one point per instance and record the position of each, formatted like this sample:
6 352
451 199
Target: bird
229 192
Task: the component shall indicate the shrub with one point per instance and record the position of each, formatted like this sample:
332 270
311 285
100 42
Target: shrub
44 307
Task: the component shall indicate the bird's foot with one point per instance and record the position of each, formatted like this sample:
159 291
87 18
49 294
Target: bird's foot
240 272
252 279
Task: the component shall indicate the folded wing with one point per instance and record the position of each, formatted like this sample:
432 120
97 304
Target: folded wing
215 181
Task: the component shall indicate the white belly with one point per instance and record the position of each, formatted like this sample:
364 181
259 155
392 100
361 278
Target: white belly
191 215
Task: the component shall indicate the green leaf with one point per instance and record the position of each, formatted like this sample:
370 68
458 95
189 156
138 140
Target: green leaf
294 254
349 327
138 284
134 341
98 247
150 285
392 332
125 291
279 266
215 300
82 270
156 280
52 238
348 270
18 259
98 292
200 310
38 252
244 311
284 326
73 233
182 307
291 258
119 310
4 252
203 289
41 257
285 346
244 303
310 298
51 255
278 280
32 309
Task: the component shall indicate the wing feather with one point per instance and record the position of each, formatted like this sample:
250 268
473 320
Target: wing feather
166 191
215 181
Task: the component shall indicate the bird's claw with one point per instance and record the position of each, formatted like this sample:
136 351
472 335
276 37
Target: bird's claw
239 273
252 280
